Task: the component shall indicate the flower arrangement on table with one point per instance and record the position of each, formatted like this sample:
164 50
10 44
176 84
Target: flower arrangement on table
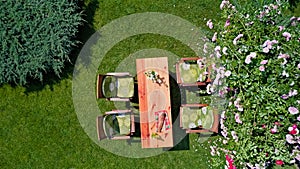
258 47
154 76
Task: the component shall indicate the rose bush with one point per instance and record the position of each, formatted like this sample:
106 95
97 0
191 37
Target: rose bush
258 46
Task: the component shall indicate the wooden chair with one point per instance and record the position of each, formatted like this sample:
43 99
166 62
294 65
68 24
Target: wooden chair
189 72
115 125
191 115
118 86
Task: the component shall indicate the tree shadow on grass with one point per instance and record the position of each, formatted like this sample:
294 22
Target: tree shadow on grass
86 30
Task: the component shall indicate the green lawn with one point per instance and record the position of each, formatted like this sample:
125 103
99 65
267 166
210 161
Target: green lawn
38 124
39 127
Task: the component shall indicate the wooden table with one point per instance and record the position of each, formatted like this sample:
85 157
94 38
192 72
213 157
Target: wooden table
154 100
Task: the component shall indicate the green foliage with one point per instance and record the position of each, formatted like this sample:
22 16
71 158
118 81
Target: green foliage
265 66
36 38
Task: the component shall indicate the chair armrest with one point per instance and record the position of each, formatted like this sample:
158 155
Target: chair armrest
194 105
120 137
197 130
191 58
132 129
215 126
190 84
99 93
202 83
180 115
178 78
194 84
100 130
118 111
118 99
208 80
118 74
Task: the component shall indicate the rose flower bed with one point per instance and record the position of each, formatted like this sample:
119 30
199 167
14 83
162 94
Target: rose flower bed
258 46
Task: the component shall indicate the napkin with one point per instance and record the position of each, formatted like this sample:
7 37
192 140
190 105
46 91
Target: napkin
166 122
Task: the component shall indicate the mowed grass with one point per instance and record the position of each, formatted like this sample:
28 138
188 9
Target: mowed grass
39 127
40 130
38 124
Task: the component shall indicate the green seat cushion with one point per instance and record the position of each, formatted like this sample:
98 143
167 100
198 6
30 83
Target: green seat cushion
208 118
124 124
193 117
125 87
191 73
109 86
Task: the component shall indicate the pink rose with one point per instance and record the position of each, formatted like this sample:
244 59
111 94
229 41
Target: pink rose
237 38
209 24
225 49
261 68
263 62
227 73
290 139
293 93
287 35
284 73
293 132
273 130
277 123
281 28
280 56
294 126
285 96
279 162
266 50
204 48
293 110
223 4
237 118
227 23
214 38
293 18
248 57
248 60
